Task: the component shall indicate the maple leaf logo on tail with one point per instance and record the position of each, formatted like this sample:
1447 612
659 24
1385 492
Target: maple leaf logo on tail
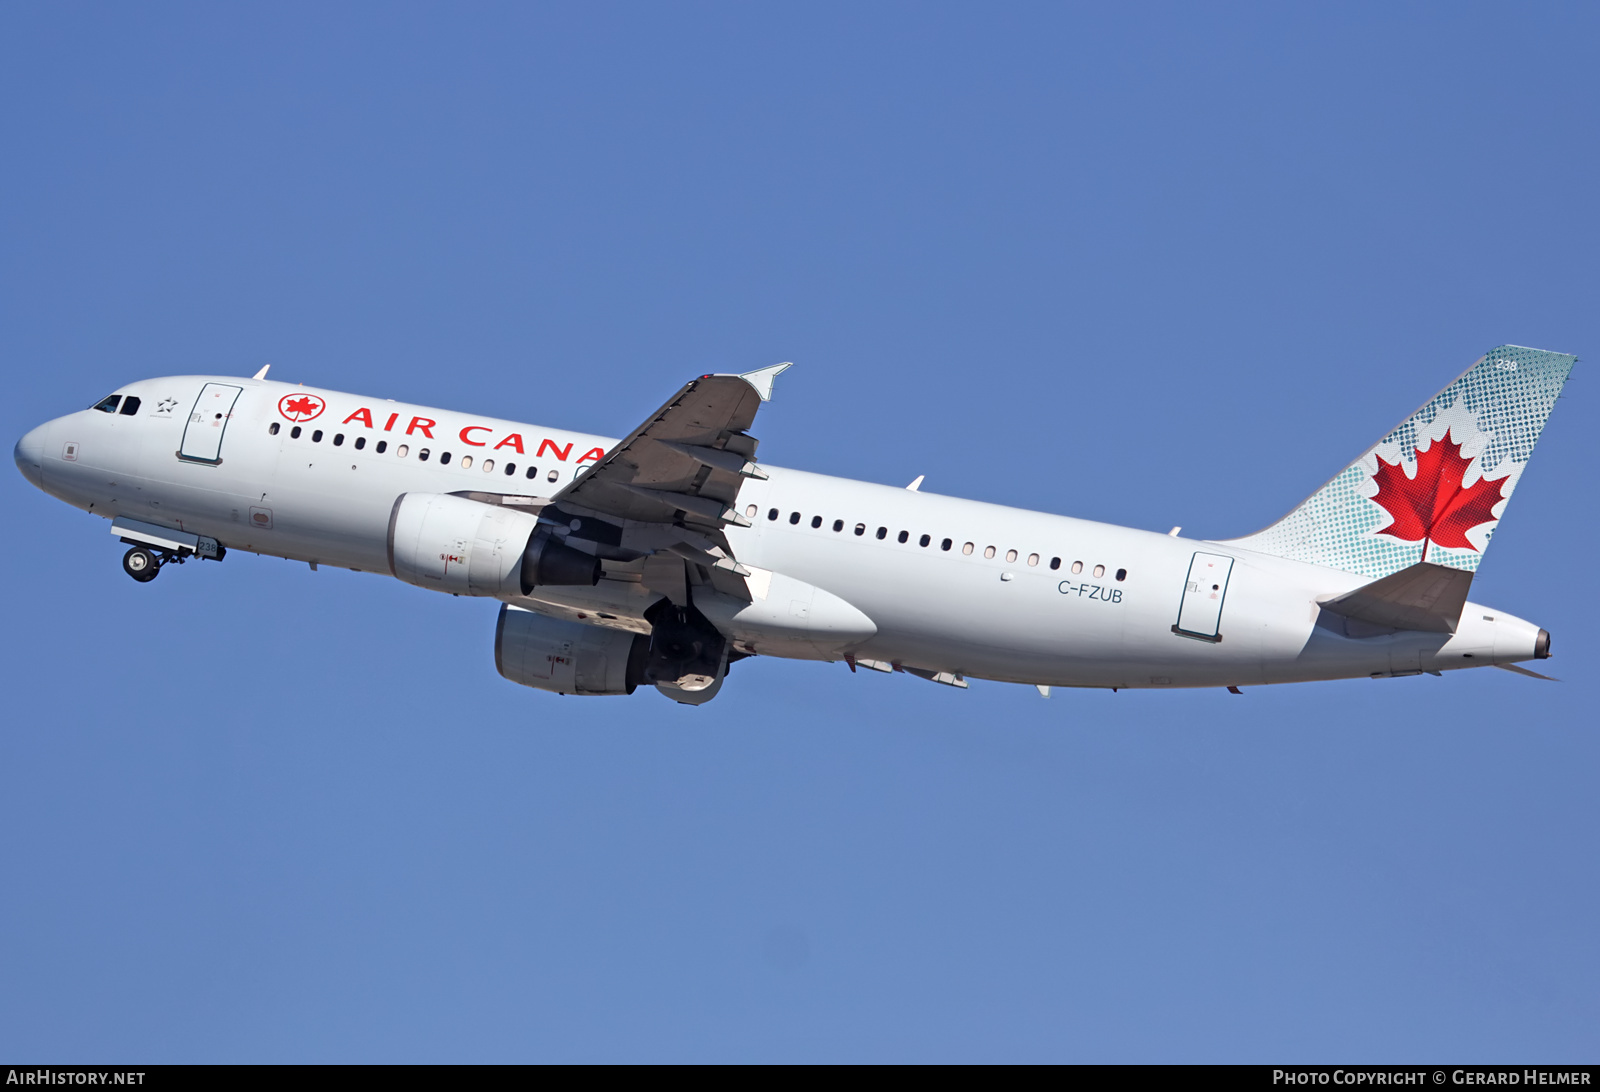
1435 506
1501 403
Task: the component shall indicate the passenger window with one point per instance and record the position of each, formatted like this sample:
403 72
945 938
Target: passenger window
130 406
466 462
794 517
749 511
838 525
382 446
883 533
511 469
1077 566
772 514
553 475
361 442
946 544
294 433
1099 570
967 548
1055 563
902 536
861 529
1122 574
272 429
488 466
816 521
402 451
422 454
924 540
1033 559
107 405
533 472
444 458
1011 555
338 440
988 551
316 437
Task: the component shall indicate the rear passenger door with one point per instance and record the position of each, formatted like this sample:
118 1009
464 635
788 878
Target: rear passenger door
1200 610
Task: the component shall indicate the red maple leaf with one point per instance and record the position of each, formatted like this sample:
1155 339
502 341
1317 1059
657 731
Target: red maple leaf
1434 506
300 405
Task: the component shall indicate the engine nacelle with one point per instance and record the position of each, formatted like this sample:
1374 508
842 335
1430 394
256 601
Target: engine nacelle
466 547
568 657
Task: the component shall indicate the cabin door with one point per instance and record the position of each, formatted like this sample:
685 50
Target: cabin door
202 436
1200 612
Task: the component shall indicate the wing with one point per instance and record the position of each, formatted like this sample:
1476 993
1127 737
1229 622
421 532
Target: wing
666 492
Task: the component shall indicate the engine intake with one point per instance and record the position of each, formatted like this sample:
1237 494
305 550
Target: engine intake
567 657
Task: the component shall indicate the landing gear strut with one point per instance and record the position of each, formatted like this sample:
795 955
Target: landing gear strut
141 563
146 559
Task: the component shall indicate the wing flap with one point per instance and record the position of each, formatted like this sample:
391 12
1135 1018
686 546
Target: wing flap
694 446
671 486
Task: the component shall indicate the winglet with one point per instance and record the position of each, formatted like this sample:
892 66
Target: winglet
761 379
262 374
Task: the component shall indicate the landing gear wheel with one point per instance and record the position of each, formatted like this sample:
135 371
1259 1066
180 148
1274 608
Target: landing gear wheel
141 564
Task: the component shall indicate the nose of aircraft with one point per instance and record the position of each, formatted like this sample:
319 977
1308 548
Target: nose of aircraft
29 454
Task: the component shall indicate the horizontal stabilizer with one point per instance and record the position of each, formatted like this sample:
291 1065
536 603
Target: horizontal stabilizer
1525 671
1423 596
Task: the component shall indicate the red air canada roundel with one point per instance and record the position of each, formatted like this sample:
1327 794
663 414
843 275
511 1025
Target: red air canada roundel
301 407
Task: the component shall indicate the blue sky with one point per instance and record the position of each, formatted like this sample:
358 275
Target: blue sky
1149 264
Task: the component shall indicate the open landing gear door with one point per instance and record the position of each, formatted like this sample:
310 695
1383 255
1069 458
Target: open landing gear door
202 436
1200 612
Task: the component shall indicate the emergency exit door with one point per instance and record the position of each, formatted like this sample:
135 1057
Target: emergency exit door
202 435
1200 612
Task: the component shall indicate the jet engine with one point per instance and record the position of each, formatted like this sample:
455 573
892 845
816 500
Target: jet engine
466 547
568 657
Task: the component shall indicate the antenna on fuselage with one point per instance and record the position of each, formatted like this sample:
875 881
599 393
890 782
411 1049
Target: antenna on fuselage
262 374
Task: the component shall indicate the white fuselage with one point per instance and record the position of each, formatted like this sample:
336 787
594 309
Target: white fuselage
1040 598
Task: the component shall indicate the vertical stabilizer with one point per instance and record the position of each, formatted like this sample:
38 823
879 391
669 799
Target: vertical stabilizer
1435 487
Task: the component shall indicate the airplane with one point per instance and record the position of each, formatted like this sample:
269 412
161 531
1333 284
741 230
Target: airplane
664 557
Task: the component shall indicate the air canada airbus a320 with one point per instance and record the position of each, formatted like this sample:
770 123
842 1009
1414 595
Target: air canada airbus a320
661 558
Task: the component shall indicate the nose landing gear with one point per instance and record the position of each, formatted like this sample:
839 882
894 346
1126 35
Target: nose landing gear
141 563
155 547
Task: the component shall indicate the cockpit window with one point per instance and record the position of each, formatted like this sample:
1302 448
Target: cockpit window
108 405
130 405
